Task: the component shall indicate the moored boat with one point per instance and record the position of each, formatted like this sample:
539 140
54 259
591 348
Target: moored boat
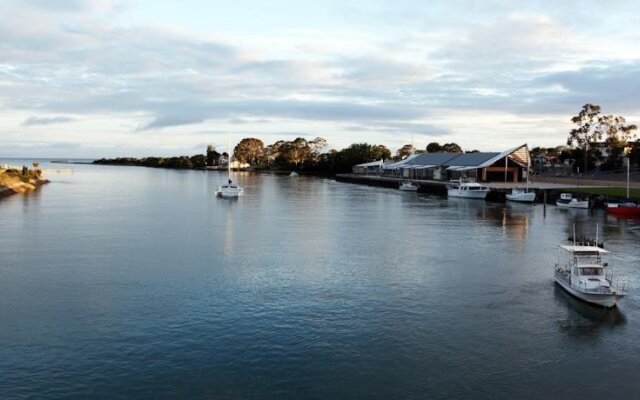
585 276
408 186
468 190
624 209
568 201
521 195
229 190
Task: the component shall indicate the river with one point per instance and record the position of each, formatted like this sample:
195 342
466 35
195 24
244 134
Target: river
131 282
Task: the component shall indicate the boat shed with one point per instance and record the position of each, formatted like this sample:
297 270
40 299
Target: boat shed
511 165
370 168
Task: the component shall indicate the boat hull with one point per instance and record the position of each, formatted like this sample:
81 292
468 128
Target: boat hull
229 193
623 211
607 300
576 204
468 194
522 197
409 188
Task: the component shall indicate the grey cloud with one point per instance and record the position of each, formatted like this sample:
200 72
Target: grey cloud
31 121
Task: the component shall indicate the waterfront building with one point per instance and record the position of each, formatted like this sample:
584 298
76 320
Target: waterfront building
370 168
511 165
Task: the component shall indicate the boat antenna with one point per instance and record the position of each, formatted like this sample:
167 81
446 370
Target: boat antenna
596 234
574 234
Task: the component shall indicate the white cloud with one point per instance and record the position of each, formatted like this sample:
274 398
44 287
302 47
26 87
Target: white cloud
378 72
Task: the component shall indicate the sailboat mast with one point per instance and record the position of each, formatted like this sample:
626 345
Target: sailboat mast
229 157
628 172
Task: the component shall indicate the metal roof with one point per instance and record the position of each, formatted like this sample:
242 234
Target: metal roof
432 158
370 164
471 159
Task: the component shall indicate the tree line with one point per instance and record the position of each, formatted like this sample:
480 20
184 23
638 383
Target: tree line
299 154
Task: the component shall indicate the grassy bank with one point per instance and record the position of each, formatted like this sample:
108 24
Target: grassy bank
610 191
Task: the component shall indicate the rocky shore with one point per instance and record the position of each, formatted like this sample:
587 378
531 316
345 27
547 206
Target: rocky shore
13 181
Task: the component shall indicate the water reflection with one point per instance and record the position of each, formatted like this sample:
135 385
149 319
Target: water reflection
584 321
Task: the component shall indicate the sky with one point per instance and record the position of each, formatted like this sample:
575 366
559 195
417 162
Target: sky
101 78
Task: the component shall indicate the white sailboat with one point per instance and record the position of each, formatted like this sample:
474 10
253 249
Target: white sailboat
519 194
229 190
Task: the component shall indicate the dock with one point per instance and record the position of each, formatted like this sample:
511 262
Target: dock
544 190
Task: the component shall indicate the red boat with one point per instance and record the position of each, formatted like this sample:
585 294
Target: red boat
624 209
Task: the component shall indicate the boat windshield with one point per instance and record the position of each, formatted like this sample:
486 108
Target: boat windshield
590 271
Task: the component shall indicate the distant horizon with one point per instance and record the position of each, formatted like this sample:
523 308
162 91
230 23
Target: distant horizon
124 77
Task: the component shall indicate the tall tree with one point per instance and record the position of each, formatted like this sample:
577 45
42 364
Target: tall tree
434 147
451 148
212 155
405 151
618 133
250 150
297 152
586 130
317 145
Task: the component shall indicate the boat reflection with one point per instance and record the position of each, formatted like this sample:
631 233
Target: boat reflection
584 321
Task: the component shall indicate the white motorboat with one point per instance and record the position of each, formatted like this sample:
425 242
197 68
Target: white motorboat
468 190
568 201
521 195
293 174
586 277
230 190
408 186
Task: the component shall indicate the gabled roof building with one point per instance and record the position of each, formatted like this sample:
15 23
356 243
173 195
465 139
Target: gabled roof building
511 165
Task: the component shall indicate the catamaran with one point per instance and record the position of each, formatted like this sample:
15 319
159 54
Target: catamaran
230 189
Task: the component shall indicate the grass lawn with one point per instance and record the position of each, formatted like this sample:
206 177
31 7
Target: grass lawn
610 191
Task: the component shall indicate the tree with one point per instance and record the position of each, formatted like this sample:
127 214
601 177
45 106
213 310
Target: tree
198 161
212 155
451 148
317 145
297 152
618 134
405 151
358 153
585 131
634 154
250 150
434 147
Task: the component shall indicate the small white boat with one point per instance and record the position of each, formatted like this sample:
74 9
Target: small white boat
521 195
468 190
586 277
408 186
568 201
229 190
293 174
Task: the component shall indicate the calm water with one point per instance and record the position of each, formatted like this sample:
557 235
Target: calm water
125 282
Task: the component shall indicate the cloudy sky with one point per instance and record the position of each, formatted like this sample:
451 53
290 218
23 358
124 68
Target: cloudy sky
149 77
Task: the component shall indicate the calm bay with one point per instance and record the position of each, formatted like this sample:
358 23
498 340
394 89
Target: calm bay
130 282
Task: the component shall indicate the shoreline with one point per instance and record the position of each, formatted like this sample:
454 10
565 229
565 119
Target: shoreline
12 184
